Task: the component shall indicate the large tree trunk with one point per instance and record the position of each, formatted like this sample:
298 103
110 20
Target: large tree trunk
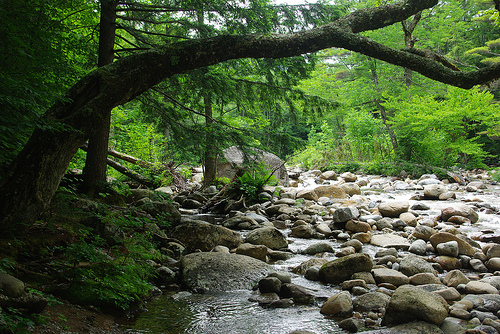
34 176
95 165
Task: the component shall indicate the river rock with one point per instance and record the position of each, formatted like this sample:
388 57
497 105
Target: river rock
308 194
491 250
341 269
349 177
432 191
409 303
408 218
460 209
197 234
364 237
339 305
464 248
330 191
304 231
323 228
449 294
449 248
476 287
270 285
420 206
358 245
256 251
10 286
413 264
393 208
390 241
321 247
478 266
371 301
351 189
302 268
493 264
423 232
342 215
357 226
418 247
240 222
299 294
424 278
394 277
268 236
329 175
447 262
221 271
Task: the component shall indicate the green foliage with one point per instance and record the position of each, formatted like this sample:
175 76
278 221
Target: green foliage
111 285
252 182
45 48
495 175
6 265
14 321
443 132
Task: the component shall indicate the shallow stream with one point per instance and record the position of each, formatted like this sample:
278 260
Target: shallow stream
232 312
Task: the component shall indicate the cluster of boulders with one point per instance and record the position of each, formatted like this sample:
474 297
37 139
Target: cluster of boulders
426 269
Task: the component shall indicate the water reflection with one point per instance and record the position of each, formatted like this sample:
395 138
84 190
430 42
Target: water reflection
228 312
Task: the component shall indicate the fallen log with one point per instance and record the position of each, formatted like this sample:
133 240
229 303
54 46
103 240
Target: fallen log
131 159
130 173
127 171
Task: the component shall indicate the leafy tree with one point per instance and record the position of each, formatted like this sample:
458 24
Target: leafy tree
436 130
35 173
44 50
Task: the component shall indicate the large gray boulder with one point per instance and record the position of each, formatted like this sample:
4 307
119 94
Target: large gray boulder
197 234
409 303
341 269
236 160
268 236
218 271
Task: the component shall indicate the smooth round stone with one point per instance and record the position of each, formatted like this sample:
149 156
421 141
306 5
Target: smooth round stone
475 287
493 264
454 278
449 294
449 248
447 262
424 278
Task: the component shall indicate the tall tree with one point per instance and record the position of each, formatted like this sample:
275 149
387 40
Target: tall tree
34 175
97 152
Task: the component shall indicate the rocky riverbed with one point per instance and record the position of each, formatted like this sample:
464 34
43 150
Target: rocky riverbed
339 254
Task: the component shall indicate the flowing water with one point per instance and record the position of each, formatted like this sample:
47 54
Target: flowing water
232 312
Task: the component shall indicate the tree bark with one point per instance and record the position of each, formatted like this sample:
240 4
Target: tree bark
34 175
95 164
408 28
